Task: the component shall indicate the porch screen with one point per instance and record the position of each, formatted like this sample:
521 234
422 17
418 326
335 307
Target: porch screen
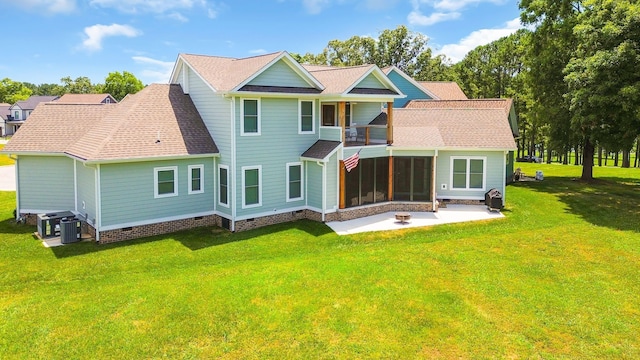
368 183
411 178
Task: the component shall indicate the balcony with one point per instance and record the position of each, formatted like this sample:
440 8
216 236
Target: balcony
364 135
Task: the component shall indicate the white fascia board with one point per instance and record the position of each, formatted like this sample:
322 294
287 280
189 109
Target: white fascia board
143 159
295 66
380 75
413 82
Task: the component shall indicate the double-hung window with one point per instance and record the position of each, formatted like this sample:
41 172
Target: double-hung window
252 186
196 179
223 181
165 181
250 117
295 183
468 173
306 111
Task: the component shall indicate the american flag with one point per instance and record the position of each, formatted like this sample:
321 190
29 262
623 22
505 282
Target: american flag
352 161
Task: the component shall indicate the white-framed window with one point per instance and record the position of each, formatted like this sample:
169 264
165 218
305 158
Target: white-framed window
468 173
251 186
306 114
165 181
107 100
16 115
295 181
223 185
249 117
196 179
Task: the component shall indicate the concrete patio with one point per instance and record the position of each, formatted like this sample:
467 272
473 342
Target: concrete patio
387 221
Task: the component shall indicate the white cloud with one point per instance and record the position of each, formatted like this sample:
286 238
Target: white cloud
96 33
417 18
315 6
457 52
155 71
46 6
177 16
453 5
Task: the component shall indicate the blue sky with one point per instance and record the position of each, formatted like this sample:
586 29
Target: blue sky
46 40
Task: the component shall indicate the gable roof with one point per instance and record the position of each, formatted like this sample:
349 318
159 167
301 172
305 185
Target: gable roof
86 99
33 101
444 90
345 79
125 131
321 150
230 74
504 104
452 129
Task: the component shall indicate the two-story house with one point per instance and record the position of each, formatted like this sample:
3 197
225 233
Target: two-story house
21 110
243 143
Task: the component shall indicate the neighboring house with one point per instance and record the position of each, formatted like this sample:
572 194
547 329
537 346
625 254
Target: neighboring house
4 113
150 165
21 110
87 99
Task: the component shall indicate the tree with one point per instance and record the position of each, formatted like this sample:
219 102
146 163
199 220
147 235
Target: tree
120 84
13 91
81 85
604 77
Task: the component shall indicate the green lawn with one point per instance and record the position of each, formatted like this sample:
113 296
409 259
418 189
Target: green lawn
558 278
4 159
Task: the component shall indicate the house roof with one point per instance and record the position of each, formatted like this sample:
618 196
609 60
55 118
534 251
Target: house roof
452 128
345 79
444 90
227 74
321 149
504 104
4 111
123 131
85 98
33 101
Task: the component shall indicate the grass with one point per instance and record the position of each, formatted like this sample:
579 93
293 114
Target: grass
558 278
5 159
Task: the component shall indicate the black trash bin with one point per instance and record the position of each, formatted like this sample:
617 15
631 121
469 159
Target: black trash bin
493 199
69 230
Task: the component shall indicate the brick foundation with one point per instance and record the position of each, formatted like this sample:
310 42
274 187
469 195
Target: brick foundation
135 232
244 225
375 209
444 202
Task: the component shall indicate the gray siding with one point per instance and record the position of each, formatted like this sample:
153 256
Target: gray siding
127 192
364 112
278 144
332 182
407 88
314 184
279 74
86 180
370 82
46 183
495 168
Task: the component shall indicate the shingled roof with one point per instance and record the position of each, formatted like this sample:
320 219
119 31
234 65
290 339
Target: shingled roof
444 90
452 129
33 101
321 149
86 99
159 121
504 104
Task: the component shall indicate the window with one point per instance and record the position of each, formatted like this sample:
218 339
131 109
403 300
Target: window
196 179
165 181
250 115
294 182
16 115
468 173
251 184
223 181
306 110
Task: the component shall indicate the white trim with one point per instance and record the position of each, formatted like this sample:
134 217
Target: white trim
226 167
156 170
468 172
156 221
380 76
98 222
140 159
234 166
290 165
293 64
185 80
244 201
190 168
181 62
259 127
17 176
44 211
313 117
75 184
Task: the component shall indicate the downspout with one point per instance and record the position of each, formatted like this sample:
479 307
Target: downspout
435 179
504 176
17 185
233 164
98 222
75 185
324 188
215 193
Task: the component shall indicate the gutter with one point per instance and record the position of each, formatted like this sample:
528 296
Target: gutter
324 188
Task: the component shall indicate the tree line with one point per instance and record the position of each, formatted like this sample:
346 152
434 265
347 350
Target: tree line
118 84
